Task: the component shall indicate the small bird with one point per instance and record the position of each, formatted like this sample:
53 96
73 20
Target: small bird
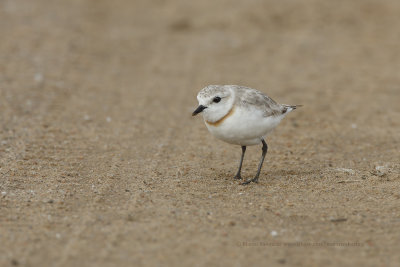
242 116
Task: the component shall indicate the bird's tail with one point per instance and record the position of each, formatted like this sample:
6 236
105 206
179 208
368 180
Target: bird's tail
288 108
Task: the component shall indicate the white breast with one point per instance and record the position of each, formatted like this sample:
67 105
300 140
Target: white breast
244 127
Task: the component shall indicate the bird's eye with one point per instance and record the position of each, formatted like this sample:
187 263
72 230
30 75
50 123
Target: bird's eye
216 99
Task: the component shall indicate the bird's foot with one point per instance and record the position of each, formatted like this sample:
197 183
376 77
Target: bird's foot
238 177
254 180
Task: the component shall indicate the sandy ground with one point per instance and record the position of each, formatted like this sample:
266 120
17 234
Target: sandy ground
101 163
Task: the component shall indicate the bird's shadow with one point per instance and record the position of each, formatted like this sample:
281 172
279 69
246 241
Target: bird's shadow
270 174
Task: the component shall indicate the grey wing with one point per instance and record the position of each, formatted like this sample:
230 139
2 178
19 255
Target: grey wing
249 97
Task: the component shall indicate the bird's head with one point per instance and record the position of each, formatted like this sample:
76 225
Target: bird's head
215 101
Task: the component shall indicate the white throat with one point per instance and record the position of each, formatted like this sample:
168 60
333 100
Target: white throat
217 111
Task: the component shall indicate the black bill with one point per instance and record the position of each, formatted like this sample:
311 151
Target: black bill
198 110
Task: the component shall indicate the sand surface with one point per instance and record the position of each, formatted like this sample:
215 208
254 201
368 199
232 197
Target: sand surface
101 163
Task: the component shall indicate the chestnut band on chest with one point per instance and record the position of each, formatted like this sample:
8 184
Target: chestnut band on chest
218 122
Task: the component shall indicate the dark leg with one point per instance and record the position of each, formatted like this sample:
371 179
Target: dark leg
264 152
237 176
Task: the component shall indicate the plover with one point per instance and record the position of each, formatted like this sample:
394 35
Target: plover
242 116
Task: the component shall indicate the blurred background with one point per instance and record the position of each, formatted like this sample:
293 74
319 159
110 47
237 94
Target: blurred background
101 162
